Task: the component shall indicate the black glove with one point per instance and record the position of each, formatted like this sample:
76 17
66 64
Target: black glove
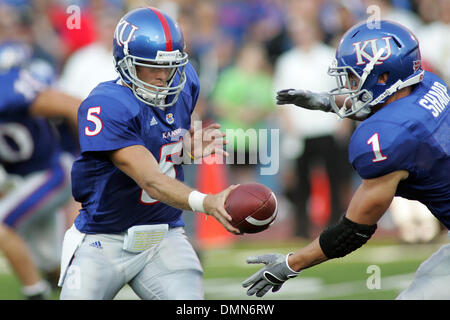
305 99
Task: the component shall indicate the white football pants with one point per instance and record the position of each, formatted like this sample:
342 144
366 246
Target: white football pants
98 267
432 279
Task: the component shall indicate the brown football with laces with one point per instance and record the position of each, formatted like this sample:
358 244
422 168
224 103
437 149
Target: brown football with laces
253 207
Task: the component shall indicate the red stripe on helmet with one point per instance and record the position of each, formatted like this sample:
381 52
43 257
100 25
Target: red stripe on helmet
166 28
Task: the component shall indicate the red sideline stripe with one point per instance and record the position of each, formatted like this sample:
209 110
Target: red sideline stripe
166 28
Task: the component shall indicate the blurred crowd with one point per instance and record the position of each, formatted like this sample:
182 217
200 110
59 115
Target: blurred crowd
243 51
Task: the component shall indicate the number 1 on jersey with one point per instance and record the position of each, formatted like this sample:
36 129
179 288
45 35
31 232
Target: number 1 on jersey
375 142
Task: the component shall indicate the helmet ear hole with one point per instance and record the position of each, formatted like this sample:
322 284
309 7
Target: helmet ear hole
383 78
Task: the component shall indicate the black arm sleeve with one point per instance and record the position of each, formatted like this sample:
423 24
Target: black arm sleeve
345 237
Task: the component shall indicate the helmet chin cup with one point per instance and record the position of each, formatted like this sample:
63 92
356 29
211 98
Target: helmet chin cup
361 111
153 98
353 105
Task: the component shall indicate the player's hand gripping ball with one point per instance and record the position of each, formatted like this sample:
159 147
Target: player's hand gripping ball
252 206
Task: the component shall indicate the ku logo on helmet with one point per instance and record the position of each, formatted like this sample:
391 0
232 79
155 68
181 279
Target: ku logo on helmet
364 57
123 39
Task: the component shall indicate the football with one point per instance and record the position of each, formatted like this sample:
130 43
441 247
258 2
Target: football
252 206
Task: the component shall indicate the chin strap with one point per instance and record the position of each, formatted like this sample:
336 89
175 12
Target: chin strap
397 86
393 88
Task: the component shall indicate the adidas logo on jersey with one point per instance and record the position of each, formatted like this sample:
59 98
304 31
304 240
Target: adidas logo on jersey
153 122
96 244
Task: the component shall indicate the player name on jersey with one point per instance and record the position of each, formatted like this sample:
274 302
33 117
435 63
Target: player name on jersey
436 99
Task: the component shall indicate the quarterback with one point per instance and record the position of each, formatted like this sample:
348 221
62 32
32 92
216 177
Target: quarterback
134 133
401 148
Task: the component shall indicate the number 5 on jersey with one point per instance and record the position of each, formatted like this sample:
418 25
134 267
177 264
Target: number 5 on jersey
166 165
98 125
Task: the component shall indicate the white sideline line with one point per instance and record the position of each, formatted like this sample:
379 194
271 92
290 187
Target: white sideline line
295 289
305 288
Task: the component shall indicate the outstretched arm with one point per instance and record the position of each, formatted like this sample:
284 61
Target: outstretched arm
313 101
369 203
305 99
140 165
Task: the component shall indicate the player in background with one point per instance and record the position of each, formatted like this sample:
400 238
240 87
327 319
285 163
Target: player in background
401 148
135 133
35 181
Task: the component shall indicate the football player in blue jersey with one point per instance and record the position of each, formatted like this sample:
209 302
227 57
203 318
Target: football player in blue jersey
36 179
401 148
135 134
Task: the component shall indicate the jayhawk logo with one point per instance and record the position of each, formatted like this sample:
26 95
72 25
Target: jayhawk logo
169 118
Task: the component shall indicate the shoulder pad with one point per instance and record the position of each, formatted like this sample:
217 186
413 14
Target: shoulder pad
380 147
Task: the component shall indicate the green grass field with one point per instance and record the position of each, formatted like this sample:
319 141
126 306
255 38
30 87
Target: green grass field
344 278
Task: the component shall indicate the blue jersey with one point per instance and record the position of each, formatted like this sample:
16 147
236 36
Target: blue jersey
27 144
112 118
412 134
